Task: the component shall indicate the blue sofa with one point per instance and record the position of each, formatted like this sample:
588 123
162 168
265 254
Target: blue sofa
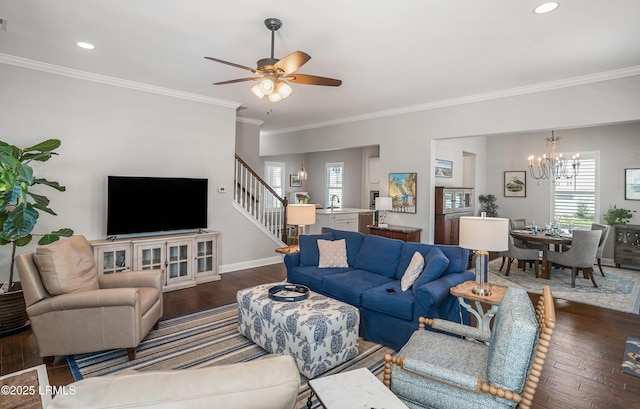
375 265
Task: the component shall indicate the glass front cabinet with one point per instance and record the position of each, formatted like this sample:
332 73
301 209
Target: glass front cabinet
185 259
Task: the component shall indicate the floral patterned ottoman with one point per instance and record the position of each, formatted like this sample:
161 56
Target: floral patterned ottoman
319 332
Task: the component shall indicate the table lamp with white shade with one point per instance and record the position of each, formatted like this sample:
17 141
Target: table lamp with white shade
301 215
383 204
483 234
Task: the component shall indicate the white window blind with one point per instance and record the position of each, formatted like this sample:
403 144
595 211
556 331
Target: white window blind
274 176
333 186
575 203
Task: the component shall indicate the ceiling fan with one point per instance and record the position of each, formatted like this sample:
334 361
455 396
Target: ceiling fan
275 74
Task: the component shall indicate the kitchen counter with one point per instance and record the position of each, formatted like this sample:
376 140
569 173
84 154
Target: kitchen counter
341 210
347 218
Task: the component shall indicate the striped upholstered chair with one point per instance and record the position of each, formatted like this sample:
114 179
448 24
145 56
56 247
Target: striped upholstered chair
436 370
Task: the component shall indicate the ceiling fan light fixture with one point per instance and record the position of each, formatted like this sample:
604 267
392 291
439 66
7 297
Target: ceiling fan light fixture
283 89
257 91
267 86
275 97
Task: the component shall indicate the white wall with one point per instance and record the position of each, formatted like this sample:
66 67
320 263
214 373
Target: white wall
314 163
406 139
110 130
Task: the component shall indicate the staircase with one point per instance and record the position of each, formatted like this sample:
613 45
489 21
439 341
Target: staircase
259 202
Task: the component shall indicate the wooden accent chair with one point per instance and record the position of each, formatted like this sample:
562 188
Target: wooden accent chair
74 310
436 370
581 255
603 240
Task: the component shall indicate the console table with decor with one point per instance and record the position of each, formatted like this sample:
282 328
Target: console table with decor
627 245
403 233
186 259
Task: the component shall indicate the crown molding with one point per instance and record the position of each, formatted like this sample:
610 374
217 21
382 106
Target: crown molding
104 79
511 92
250 121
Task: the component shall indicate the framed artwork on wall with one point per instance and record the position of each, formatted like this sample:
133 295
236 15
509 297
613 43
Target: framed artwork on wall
515 183
632 184
444 168
294 181
402 190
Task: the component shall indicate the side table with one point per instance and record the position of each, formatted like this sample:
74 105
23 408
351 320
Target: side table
464 292
288 249
353 389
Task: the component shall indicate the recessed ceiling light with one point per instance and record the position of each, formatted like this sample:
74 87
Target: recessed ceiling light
88 46
546 7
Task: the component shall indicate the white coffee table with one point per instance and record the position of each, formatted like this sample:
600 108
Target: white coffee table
353 390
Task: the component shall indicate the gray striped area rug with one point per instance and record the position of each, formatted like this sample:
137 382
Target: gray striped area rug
201 339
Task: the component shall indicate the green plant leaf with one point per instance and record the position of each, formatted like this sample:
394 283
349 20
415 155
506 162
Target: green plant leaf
46 146
7 181
48 239
23 241
20 223
50 183
25 174
41 203
40 156
65 232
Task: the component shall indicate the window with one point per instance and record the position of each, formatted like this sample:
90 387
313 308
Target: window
575 203
333 183
274 176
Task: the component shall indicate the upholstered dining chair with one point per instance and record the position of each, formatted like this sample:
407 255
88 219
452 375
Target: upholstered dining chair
603 240
521 254
74 310
437 370
581 255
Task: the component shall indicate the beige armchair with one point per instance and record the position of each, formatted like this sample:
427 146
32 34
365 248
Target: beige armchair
74 310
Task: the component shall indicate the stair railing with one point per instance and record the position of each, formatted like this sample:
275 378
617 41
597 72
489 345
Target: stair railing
259 200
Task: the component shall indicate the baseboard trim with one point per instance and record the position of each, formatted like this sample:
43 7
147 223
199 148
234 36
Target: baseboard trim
243 265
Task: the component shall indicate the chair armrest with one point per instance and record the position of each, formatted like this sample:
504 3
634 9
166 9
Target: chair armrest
292 260
438 373
458 329
132 279
437 292
86 299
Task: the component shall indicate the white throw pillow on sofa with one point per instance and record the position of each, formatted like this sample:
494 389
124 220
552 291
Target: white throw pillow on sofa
412 272
333 253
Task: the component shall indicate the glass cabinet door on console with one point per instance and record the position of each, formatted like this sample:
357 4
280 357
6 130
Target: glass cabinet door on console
178 261
115 258
149 256
206 258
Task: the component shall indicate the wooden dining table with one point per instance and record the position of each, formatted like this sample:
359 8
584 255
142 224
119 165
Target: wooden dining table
548 240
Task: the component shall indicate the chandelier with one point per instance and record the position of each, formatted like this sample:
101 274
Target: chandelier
554 167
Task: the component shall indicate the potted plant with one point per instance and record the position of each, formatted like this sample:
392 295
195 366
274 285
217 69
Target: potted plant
618 216
488 205
19 212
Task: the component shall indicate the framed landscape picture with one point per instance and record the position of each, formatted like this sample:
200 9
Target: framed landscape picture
402 190
632 184
515 183
294 181
444 168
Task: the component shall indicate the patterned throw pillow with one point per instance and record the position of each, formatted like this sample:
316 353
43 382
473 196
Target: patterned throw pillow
413 271
332 253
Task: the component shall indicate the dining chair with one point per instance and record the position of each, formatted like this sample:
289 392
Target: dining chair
522 254
581 255
603 240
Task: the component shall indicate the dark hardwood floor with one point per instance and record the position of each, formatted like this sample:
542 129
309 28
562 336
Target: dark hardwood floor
582 369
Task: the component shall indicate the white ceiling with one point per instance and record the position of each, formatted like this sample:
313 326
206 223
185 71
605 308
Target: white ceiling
390 55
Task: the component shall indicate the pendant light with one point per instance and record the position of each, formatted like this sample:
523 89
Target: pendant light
302 174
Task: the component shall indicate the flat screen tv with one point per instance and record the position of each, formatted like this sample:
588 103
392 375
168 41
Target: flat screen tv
137 205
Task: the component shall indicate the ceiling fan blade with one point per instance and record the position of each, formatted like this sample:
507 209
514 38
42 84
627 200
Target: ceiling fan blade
238 80
253 70
313 80
292 62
